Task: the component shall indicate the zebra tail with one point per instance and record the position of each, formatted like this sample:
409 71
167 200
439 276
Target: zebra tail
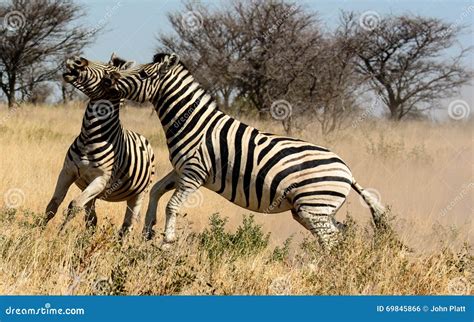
379 213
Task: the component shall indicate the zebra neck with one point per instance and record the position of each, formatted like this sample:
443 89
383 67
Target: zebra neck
101 121
183 108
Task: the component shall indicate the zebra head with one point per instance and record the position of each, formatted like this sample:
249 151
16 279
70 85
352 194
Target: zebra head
87 75
142 82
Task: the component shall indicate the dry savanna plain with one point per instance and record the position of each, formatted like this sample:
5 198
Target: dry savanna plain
421 170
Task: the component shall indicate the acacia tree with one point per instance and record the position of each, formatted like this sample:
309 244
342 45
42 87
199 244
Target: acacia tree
405 61
261 53
36 35
204 43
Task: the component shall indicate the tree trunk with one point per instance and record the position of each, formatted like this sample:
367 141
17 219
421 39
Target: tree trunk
64 93
394 114
11 92
288 126
11 100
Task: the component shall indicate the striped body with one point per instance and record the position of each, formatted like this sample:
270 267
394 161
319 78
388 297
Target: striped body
105 161
264 172
258 171
105 148
255 170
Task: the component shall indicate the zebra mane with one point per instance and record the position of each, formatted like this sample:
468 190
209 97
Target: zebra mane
159 57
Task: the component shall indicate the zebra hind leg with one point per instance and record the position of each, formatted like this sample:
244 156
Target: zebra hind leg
321 223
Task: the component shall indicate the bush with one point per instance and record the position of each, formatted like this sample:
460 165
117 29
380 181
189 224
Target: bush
249 239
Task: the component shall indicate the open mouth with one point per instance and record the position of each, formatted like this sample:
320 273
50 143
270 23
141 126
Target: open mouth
70 74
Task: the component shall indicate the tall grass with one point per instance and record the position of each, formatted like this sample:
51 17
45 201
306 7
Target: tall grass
217 261
421 170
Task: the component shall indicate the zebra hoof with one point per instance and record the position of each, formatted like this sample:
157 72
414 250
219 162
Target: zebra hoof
166 246
149 234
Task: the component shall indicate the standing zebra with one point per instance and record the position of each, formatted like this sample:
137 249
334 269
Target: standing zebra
258 171
105 161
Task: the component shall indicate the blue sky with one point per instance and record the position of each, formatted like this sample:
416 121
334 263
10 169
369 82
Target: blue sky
132 26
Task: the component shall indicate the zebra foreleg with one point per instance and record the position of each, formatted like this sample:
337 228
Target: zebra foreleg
172 208
157 191
65 180
90 216
131 214
91 192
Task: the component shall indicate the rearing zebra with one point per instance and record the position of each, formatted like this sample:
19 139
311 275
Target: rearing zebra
258 171
105 161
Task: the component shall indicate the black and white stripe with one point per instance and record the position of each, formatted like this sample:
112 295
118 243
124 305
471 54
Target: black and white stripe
255 170
105 161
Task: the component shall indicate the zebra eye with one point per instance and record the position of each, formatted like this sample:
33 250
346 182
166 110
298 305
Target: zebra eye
143 74
107 82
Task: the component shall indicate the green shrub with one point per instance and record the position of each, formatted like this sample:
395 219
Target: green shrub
248 239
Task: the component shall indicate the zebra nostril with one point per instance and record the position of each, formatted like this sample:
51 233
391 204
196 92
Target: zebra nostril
107 82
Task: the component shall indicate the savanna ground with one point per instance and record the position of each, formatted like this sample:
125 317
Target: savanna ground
421 170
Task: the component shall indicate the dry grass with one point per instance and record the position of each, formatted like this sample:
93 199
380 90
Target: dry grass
423 171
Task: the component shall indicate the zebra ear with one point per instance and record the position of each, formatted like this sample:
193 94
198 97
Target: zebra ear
173 60
120 62
128 64
169 62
